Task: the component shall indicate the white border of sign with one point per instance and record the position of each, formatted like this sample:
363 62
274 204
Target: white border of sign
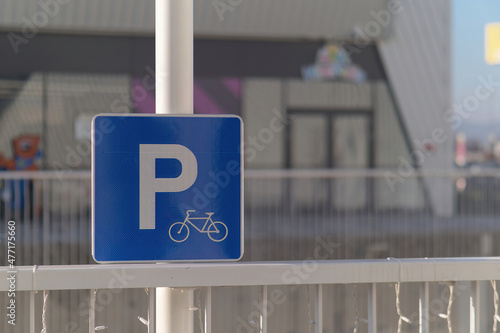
127 115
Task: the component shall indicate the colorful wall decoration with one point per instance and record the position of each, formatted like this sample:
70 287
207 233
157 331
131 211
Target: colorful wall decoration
26 154
333 62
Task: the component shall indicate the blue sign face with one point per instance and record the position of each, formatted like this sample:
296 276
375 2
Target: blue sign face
167 188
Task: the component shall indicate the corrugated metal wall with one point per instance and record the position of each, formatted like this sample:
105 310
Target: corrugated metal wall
323 19
108 16
417 60
315 19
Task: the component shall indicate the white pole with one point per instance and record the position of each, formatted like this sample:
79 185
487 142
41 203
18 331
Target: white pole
174 94
174 56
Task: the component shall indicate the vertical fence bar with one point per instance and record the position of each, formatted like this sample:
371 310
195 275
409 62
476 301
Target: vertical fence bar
83 226
319 308
372 308
152 311
36 230
17 204
73 224
92 311
55 223
423 308
27 223
32 312
475 301
3 216
9 199
3 230
263 311
208 310
46 220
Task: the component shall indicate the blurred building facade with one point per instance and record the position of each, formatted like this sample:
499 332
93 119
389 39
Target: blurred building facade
67 61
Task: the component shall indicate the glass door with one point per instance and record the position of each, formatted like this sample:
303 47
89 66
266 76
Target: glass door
331 140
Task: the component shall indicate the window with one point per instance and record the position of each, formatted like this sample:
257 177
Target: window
321 139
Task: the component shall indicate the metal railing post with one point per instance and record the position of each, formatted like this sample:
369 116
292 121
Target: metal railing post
372 308
208 310
32 312
319 308
263 310
423 308
46 240
92 310
475 301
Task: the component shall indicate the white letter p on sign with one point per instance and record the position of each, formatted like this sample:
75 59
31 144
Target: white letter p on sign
149 185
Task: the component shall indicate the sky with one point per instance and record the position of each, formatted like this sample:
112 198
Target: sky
469 20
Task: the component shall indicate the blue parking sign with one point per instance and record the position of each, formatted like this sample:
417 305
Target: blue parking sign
167 188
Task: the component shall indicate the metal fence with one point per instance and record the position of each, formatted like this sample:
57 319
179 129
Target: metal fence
285 213
408 295
309 216
436 214
52 215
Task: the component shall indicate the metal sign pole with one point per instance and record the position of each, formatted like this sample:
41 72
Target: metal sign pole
174 94
174 56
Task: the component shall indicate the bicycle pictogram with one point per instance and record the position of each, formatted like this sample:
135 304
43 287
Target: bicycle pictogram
216 231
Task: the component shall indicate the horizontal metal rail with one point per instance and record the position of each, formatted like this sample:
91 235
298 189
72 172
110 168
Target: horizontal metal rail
45 175
116 276
367 173
280 173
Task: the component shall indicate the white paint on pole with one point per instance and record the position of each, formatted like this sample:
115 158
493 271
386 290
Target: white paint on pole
174 56
174 94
